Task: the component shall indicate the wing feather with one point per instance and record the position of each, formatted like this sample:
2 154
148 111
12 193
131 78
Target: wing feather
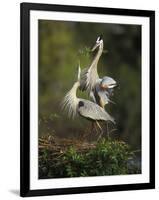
93 111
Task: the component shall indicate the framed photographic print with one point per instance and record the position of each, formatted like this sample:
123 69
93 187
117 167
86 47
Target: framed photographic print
87 99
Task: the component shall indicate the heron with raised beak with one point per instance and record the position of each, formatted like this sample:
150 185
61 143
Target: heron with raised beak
99 89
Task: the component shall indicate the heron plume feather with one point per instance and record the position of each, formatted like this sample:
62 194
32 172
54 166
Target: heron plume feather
70 101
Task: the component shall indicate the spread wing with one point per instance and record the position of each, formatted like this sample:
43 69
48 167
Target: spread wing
92 111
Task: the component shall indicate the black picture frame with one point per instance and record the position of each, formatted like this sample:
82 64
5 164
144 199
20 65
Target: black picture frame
25 9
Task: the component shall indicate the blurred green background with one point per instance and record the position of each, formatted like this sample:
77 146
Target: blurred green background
61 45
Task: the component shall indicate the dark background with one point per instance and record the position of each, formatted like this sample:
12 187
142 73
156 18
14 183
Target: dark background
61 46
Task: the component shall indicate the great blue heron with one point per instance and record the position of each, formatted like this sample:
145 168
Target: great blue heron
83 107
99 89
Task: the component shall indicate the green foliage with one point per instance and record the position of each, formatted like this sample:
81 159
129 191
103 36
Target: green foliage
107 158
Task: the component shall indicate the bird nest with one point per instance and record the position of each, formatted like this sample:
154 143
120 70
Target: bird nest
60 146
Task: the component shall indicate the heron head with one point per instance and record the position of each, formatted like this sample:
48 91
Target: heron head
99 41
108 83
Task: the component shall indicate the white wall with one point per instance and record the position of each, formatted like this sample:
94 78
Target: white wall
9 99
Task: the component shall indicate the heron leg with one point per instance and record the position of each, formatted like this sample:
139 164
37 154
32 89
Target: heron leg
110 130
115 129
100 130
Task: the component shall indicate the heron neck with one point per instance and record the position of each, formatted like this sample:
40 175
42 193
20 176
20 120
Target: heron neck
97 56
